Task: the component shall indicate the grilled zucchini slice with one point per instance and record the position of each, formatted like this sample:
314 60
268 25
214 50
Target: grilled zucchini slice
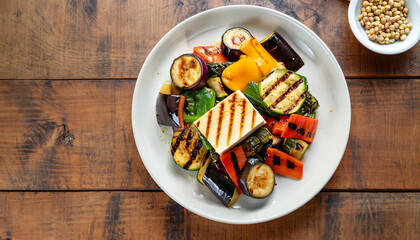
283 91
187 149
295 147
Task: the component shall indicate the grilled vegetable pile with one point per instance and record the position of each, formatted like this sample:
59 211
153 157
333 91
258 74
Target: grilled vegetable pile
240 113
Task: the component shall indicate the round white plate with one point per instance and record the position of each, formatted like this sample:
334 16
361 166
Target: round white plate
326 82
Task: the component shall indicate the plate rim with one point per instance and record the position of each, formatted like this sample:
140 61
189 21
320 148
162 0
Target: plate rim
329 55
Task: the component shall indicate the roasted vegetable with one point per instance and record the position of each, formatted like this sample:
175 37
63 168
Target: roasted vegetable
284 164
263 134
189 72
283 91
233 161
265 62
239 74
197 103
220 185
282 52
276 142
204 140
295 147
280 125
232 40
251 145
165 89
309 106
215 160
216 68
210 54
252 92
216 84
257 179
187 149
300 127
203 168
169 110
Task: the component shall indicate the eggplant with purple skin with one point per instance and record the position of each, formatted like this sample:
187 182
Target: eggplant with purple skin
189 72
220 185
170 110
282 51
232 41
257 179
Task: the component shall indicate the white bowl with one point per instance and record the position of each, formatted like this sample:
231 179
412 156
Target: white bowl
355 8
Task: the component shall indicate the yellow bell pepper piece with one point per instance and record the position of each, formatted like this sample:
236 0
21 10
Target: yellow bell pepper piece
239 74
265 62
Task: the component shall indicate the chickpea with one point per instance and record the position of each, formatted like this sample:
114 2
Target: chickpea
385 21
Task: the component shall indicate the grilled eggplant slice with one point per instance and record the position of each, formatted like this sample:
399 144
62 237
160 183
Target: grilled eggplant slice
220 185
189 72
283 91
295 147
187 149
203 168
257 179
232 40
169 110
282 52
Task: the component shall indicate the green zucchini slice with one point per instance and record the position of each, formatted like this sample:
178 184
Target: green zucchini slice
283 91
187 149
295 147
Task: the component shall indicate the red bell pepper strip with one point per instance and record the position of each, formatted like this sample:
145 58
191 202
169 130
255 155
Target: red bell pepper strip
210 53
300 127
233 161
280 125
284 164
270 122
181 104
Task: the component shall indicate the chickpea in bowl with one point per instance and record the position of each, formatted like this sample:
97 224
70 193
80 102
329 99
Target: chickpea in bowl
385 26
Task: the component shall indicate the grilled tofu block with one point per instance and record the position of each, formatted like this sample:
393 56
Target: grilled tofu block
229 122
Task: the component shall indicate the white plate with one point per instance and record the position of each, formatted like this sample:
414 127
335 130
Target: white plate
326 82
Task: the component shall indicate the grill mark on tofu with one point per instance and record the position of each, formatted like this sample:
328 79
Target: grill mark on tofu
232 102
296 103
220 122
243 111
254 115
179 139
274 86
209 116
284 95
194 154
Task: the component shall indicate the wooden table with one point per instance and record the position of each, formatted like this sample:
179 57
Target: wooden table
69 167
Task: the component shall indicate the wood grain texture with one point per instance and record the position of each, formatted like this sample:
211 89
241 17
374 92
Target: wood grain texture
134 215
77 135
68 135
93 39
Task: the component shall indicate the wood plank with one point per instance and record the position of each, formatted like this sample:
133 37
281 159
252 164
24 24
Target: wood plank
68 135
136 215
77 135
92 39
384 143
